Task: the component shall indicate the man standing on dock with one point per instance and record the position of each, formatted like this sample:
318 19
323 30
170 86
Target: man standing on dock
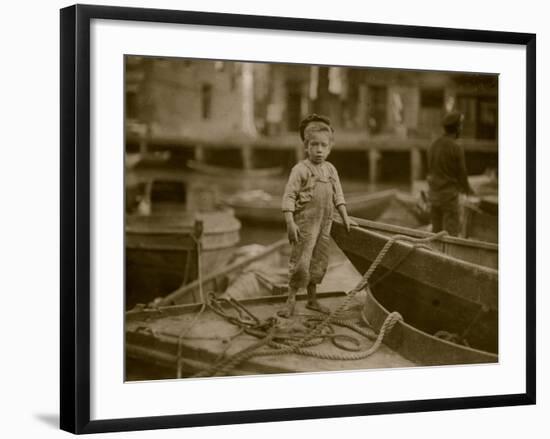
447 176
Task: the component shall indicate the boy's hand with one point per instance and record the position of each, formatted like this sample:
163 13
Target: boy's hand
345 218
348 223
293 232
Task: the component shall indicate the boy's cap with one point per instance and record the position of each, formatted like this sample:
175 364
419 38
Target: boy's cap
322 121
452 119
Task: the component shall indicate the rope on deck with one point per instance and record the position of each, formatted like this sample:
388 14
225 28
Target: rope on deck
297 347
387 326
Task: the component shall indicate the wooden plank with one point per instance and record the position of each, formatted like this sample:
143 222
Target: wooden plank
180 293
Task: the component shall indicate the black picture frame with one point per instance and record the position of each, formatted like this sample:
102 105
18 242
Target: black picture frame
75 216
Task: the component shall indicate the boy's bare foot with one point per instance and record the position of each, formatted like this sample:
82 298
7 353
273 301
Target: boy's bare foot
288 310
316 306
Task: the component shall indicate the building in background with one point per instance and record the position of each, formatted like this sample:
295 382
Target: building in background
209 106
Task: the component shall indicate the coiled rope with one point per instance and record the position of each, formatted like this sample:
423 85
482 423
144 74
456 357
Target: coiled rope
297 347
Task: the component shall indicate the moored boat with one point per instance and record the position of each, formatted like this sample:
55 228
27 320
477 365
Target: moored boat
390 205
431 290
418 308
417 269
215 170
162 241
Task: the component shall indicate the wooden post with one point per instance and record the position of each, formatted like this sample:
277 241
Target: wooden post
247 157
145 139
199 153
374 156
416 164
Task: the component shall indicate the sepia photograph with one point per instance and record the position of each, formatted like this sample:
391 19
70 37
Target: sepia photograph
296 218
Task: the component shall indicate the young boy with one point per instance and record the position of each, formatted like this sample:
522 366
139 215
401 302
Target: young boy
312 192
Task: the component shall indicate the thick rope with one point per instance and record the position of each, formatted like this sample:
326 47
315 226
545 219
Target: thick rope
281 349
366 277
387 326
297 347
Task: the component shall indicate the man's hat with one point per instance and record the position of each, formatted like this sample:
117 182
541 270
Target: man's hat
314 119
452 119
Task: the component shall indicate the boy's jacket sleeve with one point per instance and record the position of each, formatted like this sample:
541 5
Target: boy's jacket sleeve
292 189
338 192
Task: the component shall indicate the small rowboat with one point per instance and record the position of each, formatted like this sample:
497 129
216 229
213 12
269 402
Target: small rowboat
218 171
389 206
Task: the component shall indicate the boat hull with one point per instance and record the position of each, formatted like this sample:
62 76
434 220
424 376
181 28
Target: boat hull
421 268
395 207
426 314
214 170
162 251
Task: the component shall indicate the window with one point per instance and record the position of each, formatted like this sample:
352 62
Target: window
431 98
432 103
480 116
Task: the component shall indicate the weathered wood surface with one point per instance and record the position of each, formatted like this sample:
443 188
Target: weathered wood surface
153 336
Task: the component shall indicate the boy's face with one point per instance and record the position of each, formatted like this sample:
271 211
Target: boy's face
318 145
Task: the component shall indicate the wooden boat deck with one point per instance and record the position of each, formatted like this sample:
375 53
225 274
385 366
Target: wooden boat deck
153 335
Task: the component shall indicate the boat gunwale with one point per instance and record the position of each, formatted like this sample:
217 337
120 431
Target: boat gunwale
187 289
170 310
423 333
369 224
428 252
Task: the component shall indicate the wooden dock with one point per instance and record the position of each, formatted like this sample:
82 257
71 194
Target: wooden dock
375 147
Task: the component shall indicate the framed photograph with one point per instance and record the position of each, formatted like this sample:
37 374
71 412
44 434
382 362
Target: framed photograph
276 218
